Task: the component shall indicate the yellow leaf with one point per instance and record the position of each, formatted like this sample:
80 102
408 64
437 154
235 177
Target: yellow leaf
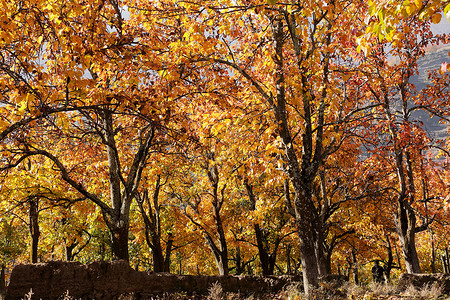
162 73
23 106
418 3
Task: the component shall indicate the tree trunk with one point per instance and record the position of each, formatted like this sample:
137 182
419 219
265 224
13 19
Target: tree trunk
301 176
2 283
152 223
309 265
407 239
220 251
158 257
116 218
306 224
324 265
220 256
445 261
406 217
288 259
240 266
34 228
267 259
69 251
390 261
119 241
355 268
433 252
168 253
323 258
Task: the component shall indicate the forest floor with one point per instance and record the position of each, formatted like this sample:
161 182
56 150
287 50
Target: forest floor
326 292
294 292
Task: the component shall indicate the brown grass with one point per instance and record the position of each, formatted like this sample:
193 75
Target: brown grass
326 291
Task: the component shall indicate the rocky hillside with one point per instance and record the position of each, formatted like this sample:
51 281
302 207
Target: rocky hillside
432 61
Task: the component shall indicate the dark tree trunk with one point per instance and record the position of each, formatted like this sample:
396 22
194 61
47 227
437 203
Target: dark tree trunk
220 256
267 258
119 241
152 223
34 228
169 246
302 175
122 192
433 252
355 268
240 266
406 230
70 248
288 259
219 251
69 252
406 216
307 235
2 283
390 262
158 257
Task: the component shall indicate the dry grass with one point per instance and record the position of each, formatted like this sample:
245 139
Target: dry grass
371 291
29 295
65 296
215 292
326 291
432 291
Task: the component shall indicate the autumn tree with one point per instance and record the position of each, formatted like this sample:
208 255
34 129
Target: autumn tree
219 109
281 57
85 101
267 257
152 210
405 139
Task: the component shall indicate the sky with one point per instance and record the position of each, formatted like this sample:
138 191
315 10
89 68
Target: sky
442 27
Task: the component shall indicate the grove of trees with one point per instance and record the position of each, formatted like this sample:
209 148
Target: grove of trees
223 137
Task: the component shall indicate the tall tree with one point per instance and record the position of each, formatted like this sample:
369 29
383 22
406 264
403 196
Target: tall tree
283 60
269 230
85 105
401 136
150 209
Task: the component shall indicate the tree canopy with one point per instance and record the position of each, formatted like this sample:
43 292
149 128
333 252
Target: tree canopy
223 137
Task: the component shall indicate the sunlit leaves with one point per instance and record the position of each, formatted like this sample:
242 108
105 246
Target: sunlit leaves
204 76
390 14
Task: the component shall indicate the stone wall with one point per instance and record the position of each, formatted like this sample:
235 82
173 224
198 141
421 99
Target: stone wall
108 280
